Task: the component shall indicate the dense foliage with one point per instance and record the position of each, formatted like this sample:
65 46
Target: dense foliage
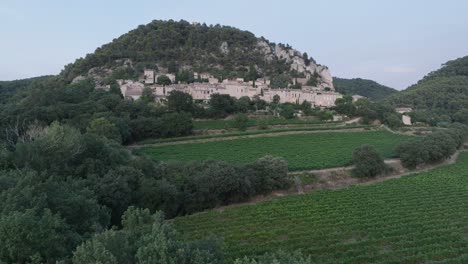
86 108
358 86
415 219
367 162
145 238
440 97
301 151
432 148
368 111
10 88
59 187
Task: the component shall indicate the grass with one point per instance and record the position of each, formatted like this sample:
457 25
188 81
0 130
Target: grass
246 133
302 151
420 218
228 124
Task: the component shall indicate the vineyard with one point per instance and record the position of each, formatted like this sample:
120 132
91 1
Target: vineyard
302 151
229 124
415 219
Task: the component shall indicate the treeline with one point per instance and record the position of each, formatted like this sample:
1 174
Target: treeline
432 148
368 88
369 111
59 187
88 109
9 89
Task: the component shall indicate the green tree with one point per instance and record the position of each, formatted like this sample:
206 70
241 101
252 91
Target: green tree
103 127
163 80
367 162
287 111
240 121
306 108
147 95
276 99
32 236
243 104
180 102
221 105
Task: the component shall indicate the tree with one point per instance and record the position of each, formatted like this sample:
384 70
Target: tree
54 148
345 106
115 89
147 95
306 108
240 121
32 237
145 238
243 104
393 120
103 127
163 80
287 111
221 105
270 173
367 162
175 124
276 99
180 102
325 115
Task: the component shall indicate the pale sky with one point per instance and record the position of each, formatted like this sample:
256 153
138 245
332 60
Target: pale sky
393 42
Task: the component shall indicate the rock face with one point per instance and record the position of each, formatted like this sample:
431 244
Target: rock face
297 62
224 48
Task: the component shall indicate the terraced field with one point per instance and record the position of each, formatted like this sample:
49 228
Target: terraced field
228 124
302 151
415 219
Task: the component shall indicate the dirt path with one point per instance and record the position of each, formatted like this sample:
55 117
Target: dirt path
275 134
337 178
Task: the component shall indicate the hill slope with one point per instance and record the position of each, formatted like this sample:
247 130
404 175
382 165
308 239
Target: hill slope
363 87
8 89
171 46
441 96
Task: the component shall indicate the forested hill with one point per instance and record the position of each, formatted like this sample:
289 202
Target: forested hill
363 87
9 88
174 46
441 96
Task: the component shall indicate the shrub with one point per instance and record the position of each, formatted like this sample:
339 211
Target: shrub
367 162
240 122
262 123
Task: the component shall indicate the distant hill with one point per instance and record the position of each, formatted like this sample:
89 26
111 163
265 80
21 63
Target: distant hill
9 88
175 46
441 96
363 87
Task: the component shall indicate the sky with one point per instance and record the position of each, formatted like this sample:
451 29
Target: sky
394 42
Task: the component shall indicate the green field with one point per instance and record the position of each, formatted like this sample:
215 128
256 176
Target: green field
415 219
302 151
252 132
228 124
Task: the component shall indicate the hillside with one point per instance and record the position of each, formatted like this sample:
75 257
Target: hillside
9 88
174 47
441 96
363 87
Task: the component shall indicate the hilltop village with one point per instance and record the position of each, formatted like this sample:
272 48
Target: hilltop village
323 95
